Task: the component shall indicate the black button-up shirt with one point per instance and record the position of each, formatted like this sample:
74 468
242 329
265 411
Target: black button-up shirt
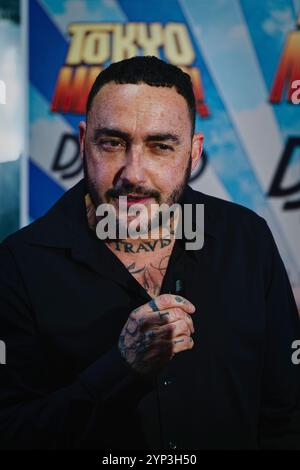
64 299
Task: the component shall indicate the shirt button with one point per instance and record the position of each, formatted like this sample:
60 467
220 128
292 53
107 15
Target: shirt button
172 445
167 383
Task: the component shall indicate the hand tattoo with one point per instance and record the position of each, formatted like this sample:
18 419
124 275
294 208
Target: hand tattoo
132 343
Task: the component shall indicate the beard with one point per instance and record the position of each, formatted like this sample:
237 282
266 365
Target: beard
128 188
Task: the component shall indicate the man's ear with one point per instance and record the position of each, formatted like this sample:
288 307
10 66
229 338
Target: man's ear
82 133
197 146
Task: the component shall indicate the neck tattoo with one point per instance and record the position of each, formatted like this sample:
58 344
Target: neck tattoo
145 246
150 275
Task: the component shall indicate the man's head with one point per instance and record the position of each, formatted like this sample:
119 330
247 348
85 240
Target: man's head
139 135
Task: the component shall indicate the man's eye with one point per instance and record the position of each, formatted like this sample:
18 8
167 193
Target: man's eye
110 143
163 147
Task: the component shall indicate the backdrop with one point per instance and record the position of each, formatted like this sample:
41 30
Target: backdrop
244 60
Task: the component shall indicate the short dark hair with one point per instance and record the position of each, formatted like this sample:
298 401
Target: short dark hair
149 70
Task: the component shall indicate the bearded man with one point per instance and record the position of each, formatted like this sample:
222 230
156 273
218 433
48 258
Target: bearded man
137 342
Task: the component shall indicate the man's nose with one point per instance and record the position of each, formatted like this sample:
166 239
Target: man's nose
133 170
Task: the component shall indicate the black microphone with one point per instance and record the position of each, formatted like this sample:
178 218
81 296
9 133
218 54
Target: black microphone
179 287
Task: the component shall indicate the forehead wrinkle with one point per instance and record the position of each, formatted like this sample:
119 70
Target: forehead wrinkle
136 110
155 121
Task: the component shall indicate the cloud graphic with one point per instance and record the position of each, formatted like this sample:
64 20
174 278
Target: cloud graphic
279 21
77 11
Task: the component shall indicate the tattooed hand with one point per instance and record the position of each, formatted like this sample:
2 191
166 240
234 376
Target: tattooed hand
156 331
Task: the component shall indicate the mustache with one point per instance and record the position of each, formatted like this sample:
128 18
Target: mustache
131 189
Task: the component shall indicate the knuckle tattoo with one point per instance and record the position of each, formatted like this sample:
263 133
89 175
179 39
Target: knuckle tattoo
151 335
178 341
162 315
153 305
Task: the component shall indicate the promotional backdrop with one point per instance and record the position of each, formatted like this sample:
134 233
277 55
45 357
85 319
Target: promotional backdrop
243 57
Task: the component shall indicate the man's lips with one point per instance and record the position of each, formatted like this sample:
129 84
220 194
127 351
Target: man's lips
136 199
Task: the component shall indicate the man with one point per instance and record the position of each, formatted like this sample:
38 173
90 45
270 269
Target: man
141 343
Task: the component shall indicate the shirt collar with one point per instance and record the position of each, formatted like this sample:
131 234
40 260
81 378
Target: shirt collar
191 196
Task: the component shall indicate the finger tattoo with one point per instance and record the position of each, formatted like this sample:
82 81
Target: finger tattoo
150 334
153 305
162 315
178 341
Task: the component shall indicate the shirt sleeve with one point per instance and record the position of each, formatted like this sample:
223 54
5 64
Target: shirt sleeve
76 416
280 392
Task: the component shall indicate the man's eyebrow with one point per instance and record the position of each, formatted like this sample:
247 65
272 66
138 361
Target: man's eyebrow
162 138
111 132
108 131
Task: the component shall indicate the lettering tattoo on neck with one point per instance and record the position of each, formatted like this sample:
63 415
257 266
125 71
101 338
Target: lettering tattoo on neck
146 246
151 275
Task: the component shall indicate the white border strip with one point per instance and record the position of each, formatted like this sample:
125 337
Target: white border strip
24 193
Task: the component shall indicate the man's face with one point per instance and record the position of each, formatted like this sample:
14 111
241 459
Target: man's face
137 143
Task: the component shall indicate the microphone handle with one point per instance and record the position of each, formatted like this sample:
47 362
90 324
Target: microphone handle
179 287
